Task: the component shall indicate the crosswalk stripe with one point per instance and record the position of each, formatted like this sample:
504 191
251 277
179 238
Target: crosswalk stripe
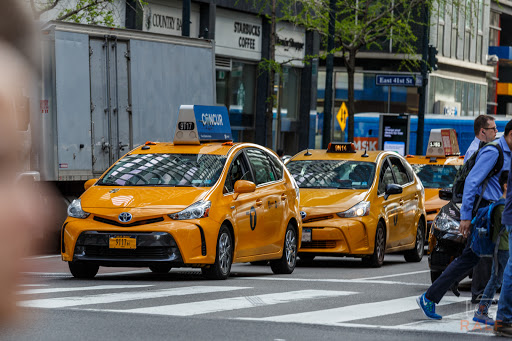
357 312
334 280
226 304
96 287
63 302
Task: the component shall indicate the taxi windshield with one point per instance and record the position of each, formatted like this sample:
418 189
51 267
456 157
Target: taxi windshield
175 170
340 174
436 176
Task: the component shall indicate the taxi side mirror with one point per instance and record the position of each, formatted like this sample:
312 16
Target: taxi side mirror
244 186
89 183
392 189
445 194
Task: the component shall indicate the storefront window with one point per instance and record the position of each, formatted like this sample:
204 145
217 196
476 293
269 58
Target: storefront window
291 87
236 90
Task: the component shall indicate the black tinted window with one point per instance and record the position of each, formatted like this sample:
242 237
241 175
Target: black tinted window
263 171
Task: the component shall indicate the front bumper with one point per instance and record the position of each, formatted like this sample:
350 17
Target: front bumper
444 247
331 235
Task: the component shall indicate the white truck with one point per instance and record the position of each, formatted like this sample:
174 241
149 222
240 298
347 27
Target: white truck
104 91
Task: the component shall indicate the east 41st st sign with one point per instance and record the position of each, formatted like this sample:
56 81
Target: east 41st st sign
395 80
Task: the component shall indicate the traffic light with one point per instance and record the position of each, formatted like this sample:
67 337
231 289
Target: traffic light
432 57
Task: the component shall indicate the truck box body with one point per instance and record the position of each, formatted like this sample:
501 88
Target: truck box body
105 91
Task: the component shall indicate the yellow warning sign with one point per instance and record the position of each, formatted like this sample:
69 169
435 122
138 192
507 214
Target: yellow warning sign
342 116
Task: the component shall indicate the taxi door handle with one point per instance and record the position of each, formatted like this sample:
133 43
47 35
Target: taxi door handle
283 196
401 202
416 197
259 202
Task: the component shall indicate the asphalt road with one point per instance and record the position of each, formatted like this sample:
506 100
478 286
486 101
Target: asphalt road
327 299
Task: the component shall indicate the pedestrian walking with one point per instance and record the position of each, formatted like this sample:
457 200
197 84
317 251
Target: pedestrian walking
473 198
498 263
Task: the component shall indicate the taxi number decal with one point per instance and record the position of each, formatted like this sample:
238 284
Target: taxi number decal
273 203
252 217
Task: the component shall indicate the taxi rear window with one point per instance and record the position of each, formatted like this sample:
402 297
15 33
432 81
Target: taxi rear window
436 176
174 170
341 174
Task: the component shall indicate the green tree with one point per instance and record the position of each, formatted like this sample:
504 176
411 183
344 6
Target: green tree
98 12
362 25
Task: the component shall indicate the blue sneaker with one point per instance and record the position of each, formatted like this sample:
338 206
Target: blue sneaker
428 307
483 318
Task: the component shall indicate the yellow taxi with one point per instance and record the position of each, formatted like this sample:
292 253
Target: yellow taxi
437 169
189 203
358 204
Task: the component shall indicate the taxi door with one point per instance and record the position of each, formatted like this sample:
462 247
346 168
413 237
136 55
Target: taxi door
246 212
409 201
391 206
272 199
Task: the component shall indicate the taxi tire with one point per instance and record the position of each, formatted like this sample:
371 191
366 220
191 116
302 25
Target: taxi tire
160 268
83 270
377 258
223 257
416 254
286 264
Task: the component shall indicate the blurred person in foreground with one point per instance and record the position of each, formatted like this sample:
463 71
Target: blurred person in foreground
23 209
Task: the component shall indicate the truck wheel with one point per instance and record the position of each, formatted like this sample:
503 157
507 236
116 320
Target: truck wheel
83 270
224 257
416 253
377 259
160 268
286 264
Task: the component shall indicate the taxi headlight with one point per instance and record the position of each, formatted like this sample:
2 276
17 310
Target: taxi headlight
75 210
444 222
359 210
200 209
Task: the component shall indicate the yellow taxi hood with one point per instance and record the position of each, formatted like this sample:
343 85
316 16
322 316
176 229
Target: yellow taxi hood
432 200
330 200
170 198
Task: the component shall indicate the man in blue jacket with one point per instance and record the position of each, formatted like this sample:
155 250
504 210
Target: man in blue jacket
485 161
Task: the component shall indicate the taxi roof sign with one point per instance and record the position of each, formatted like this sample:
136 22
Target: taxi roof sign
442 143
202 123
341 147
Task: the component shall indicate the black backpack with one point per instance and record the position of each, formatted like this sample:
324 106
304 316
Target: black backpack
462 173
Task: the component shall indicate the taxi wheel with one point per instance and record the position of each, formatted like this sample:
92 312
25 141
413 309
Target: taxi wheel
416 254
224 258
160 268
286 264
377 259
83 270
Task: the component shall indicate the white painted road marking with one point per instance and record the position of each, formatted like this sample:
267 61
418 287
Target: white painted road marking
234 303
333 280
96 287
63 302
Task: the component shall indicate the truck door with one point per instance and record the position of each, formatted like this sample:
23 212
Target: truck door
110 101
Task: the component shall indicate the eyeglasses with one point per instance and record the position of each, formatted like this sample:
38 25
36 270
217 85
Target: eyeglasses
493 128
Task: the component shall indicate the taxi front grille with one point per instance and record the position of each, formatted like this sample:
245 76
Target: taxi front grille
319 244
139 253
317 218
135 223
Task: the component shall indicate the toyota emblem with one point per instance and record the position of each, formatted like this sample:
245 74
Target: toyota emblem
125 217
303 215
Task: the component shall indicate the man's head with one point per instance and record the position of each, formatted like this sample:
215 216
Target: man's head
485 128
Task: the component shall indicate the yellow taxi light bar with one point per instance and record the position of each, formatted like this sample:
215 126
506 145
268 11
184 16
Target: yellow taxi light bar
341 147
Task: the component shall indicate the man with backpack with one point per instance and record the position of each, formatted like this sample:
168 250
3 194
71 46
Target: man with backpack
481 188
482 134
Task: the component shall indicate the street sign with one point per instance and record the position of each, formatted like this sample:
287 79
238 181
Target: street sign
395 80
342 116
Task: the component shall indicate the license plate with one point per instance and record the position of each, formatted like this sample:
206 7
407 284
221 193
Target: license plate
122 243
306 235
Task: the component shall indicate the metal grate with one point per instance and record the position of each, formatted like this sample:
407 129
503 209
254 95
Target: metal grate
317 218
139 252
319 244
223 63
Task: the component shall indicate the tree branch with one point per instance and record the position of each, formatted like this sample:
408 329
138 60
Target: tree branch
70 14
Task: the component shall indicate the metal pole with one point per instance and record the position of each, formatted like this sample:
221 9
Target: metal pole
185 22
423 89
329 66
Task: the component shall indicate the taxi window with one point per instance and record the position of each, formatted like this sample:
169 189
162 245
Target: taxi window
436 176
238 171
174 170
263 170
385 177
278 166
342 174
400 173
